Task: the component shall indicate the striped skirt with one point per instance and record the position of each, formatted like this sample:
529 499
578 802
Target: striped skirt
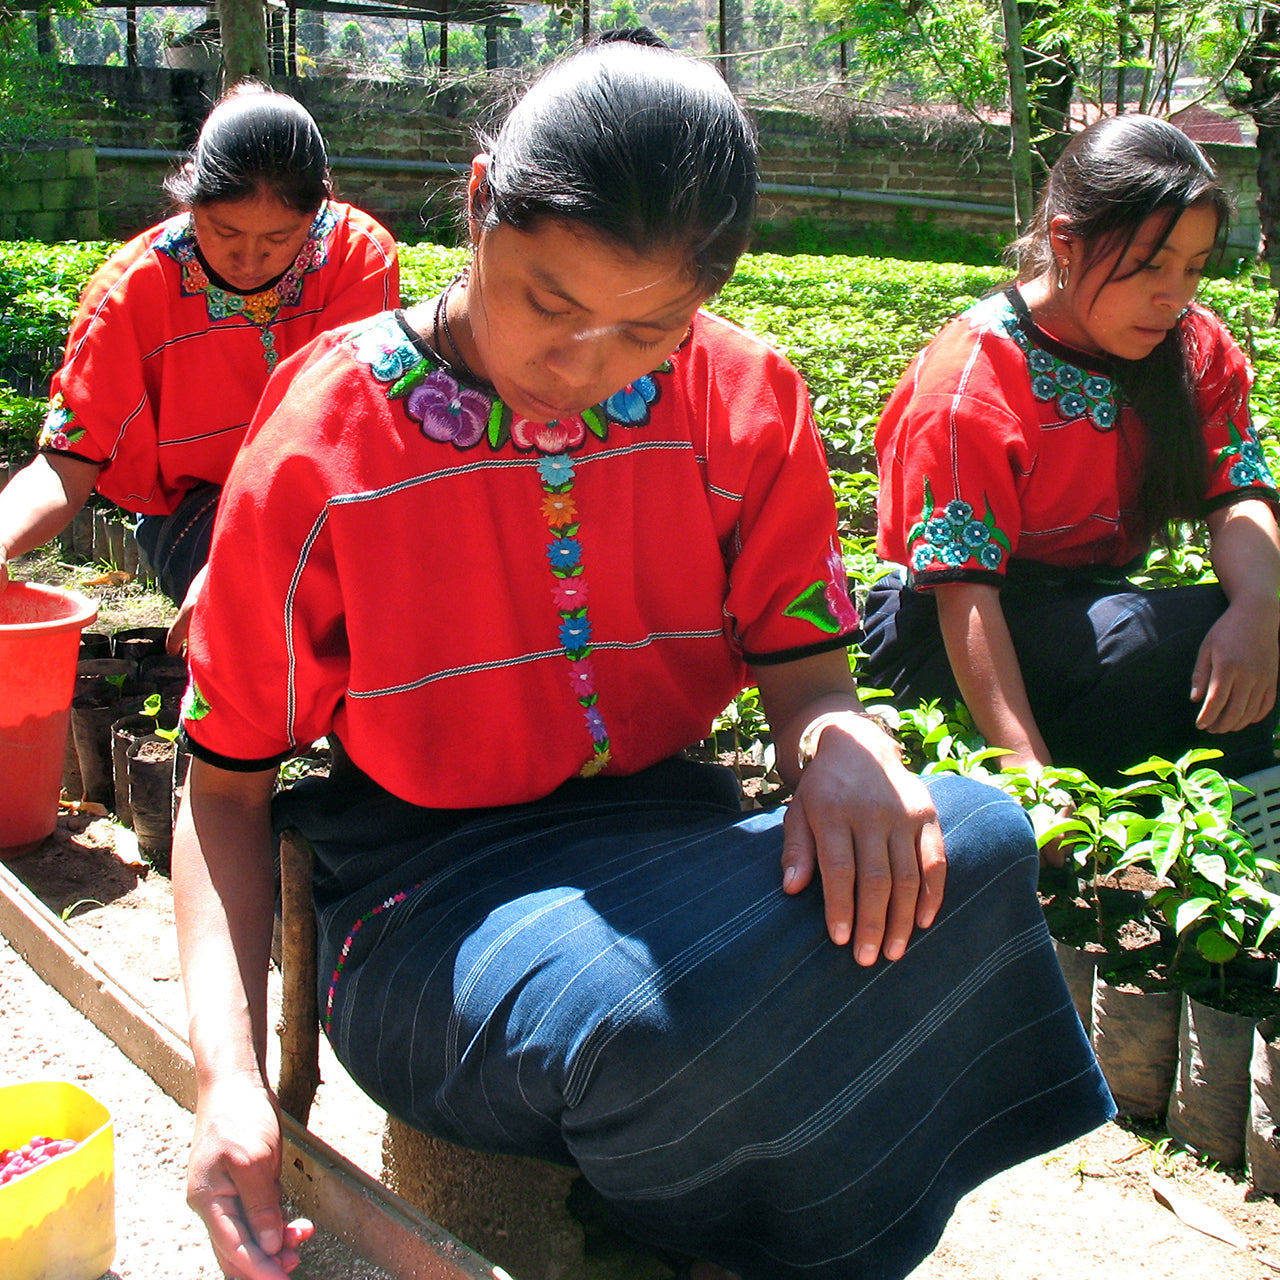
619 984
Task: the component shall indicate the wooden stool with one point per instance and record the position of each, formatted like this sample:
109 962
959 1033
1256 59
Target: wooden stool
511 1209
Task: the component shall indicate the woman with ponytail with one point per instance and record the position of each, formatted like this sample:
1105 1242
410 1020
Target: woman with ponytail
1041 444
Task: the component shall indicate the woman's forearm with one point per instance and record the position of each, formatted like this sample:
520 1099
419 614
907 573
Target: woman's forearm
41 500
987 671
1245 548
224 903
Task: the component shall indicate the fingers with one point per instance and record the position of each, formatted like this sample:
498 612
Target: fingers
176 637
799 853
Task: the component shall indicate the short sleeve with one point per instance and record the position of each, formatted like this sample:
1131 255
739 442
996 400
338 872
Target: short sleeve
952 445
367 277
788 590
1223 378
271 590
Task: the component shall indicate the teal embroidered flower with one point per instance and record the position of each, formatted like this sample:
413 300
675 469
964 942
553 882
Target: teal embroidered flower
956 539
556 470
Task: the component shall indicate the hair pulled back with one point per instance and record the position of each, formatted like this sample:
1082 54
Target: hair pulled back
255 141
1108 182
640 144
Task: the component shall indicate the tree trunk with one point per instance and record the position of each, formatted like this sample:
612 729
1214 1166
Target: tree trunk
1019 118
244 41
1260 64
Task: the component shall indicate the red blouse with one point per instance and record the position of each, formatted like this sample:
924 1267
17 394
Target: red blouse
1001 443
163 369
483 606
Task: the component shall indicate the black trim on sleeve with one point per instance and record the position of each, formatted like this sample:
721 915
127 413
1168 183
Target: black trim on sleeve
940 577
1269 496
67 453
227 762
804 651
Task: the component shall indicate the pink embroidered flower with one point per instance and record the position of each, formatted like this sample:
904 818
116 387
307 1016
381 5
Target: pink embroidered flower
448 411
548 437
837 592
570 593
582 677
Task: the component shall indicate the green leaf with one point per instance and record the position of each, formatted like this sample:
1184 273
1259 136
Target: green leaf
1189 912
1212 866
1216 947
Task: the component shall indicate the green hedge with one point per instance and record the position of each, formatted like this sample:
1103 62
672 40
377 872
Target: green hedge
850 324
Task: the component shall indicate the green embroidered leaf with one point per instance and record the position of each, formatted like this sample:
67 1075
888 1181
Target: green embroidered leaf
926 511
811 605
997 534
196 708
403 385
499 425
596 422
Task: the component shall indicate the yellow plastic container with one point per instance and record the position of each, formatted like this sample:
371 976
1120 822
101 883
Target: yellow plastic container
58 1222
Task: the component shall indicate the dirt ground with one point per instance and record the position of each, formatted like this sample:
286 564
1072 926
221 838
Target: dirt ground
1084 1212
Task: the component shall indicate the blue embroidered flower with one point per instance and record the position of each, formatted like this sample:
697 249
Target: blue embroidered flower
1104 414
1073 405
989 557
1040 361
631 404
1242 474
1096 387
1068 376
555 469
921 559
575 634
975 534
958 512
385 349
954 553
938 531
1044 386
564 553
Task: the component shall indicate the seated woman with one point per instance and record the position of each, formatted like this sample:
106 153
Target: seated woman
178 331
515 549
1034 450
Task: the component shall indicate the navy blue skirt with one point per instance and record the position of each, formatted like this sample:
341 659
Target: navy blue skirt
619 984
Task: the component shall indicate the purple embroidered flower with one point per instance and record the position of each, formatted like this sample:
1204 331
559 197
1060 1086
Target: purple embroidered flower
548 437
596 725
556 470
448 411
631 404
564 553
575 633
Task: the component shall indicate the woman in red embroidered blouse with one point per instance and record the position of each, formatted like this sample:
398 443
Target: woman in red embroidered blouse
513 549
178 332
1031 453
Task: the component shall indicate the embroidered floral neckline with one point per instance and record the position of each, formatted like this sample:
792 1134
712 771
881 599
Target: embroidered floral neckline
178 240
449 411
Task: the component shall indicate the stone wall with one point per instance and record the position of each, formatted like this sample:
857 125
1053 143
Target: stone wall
49 191
399 150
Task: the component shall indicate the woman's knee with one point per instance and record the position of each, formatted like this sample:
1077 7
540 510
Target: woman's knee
982 826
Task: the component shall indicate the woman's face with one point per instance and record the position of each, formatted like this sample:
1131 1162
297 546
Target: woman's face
560 318
248 242
1128 314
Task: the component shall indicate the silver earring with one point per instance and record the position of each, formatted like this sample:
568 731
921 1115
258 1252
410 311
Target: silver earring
1064 274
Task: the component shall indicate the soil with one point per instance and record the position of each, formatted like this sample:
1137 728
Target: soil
1083 1212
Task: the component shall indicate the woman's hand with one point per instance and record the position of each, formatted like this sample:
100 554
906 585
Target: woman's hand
870 828
176 639
233 1182
1235 673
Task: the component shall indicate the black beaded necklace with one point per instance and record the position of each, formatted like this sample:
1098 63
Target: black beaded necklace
440 322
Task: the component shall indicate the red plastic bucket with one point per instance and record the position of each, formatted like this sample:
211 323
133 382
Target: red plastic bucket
39 643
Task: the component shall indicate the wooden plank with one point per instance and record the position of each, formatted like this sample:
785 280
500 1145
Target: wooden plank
320 1182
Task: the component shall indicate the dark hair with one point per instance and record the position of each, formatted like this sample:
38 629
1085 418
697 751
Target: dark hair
255 140
638 143
1111 178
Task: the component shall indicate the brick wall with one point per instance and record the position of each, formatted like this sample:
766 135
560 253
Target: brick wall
49 191
889 162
